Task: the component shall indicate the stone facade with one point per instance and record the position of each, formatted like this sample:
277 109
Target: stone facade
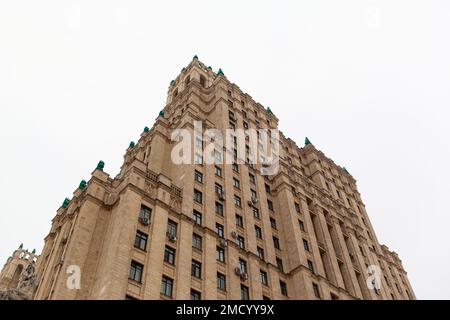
303 234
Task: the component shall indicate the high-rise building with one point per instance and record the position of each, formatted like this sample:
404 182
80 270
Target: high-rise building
165 230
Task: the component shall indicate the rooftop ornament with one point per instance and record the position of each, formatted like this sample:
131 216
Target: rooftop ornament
171 82
34 251
132 144
21 246
146 129
220 73
66 202
307 141
161 113
101 165
83 184
345 170
195 57
269 111
209 67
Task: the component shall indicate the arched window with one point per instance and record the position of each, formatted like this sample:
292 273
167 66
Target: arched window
16 277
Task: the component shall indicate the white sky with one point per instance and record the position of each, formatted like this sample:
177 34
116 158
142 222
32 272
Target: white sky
367 81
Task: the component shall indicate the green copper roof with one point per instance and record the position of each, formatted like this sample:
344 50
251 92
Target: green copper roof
66 202
146 129
132 144
268 110
101 165
209 67
345 170
220 72
307 141
161 113
21 246
83 184
171 82
34 251
195 57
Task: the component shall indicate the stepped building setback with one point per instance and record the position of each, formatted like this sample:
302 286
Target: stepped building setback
161 230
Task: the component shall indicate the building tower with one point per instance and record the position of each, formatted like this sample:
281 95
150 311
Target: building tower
161 230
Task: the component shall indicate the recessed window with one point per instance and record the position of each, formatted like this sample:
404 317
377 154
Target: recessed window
264 278
196 269
260 252
218 171
198 176
198 196
316 290
311 266
239 221
273 223
171 228
306 245
220 254
241 242
297 207
236 183
252 178
258 232
197 216
245 124
267 188
221 281
219 208
197 241
235 167
145 214
198 158
280 264
302 225
219 230
253 194
166 286
276 243
218 188
195 295
283 288
136 270
140 241
202 81
237 201
270 205
243 266
244 293
169 255
256 212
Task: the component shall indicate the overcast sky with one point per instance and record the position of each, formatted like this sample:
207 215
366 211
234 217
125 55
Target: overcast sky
367 81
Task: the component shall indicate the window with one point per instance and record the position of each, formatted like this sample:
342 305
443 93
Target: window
198 196
202 81
169 255
243 266
239 221
302 225
220 254
244 114
196 269
198 158
136 271
195 295
276 243
218 171
362 251
245 124
218 156
297 207
221 281
219 230
199 143
280 264
198 176
235 167
270 205
244 293
236 183
252 178
237 201
241 242
197 241
306 245
311 266
264 278
219 208
166 286
231 115
197 216
260 252
283 288
172 228
253 193
258 232
273 223
140 241
255 212
267 188
145 214
316 290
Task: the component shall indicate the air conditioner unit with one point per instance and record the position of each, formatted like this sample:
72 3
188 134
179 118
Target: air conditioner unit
223 243
254 200
144 221
172 237
237 270
234 234
244 276
250 203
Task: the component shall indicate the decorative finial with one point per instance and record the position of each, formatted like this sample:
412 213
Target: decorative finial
132 144
66 202
209 67
161 113
171 82
34 251
21 246
345 170
146 129
101 165
269 111
82 185
195 57
220 73
307 141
